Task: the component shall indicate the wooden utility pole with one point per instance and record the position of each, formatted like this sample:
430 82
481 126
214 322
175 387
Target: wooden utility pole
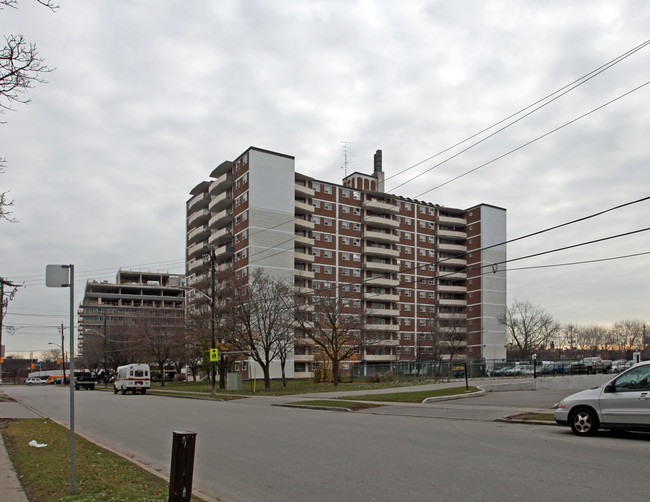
3 308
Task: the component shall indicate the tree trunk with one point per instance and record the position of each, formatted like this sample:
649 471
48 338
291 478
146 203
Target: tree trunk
267 377
284 375
335 372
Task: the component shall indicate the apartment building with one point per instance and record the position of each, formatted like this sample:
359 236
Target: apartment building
134 293
426 277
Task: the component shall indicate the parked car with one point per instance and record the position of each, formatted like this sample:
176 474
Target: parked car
500 371
618 365
35 381
621 403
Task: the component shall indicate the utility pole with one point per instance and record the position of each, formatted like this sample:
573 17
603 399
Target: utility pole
3 308
105 363
213 294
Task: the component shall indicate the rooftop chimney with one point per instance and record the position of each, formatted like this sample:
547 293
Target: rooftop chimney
378 173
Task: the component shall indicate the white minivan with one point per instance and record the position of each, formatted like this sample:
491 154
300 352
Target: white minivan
133 378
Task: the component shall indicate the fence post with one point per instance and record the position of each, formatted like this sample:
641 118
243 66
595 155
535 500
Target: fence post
182 469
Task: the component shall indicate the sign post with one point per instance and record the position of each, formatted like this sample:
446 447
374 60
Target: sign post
62 276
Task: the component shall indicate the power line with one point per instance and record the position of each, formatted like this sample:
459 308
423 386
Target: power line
571 86
520 147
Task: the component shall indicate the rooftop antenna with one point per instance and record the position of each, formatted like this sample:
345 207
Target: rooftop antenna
346 159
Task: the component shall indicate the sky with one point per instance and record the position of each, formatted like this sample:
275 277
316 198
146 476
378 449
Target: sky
147 97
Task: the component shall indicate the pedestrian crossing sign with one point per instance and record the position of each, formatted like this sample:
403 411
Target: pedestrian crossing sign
214 354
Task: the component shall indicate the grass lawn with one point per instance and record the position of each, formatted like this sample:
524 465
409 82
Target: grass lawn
416 397
294 386
336 403
100 475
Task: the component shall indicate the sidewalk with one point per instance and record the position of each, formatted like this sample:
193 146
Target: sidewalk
10 487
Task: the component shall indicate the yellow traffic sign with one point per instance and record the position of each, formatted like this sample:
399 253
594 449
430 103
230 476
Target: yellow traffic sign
214 354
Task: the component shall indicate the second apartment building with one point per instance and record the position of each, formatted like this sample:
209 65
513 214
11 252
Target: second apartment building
424 276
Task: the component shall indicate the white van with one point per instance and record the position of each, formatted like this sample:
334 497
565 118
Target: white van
132 377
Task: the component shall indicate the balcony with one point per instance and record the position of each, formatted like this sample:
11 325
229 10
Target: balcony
303 291
197 265
303 358
221 201
220 184
381 297
301 240
303 257
381 207
198 218
453 262
304 208
452 317
199 233
382 282
378 221
303 191
443 288
224 252
304 307
453 235
451 275
197 202
382 328
381 342
381 267
379 358
381 237
450 330
382 312
444 302
452 248
221 218
378 251
451 220
196 279
220 236
197 249
303 224
303 274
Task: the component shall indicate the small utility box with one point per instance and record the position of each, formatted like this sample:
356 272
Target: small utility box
234 381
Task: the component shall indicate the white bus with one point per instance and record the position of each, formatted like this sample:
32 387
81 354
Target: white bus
132 377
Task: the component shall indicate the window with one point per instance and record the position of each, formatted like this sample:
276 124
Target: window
327 237
356 256
316 252
345 193
423 224
327 189
328 206
356 242
345 240
345 256
317 204
356 211
328 222
327 254
345 225
357 227
422 209
316 220
345 209
407 235
345 272
356 272
244 216
327 270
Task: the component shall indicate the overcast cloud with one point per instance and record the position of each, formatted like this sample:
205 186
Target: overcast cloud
149 96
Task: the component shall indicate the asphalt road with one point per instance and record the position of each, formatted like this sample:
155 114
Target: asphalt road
249 450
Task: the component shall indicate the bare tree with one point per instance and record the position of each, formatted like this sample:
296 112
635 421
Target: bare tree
628 335
261 317
335 326
160 337
529 327
20 68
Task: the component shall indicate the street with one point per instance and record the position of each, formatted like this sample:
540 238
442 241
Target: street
250 450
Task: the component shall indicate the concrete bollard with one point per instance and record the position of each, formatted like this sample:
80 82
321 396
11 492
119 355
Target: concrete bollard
182 469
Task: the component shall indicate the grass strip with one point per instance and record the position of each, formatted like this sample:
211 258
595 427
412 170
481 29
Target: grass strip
416 396
99 474
294 386
538 417
335 403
